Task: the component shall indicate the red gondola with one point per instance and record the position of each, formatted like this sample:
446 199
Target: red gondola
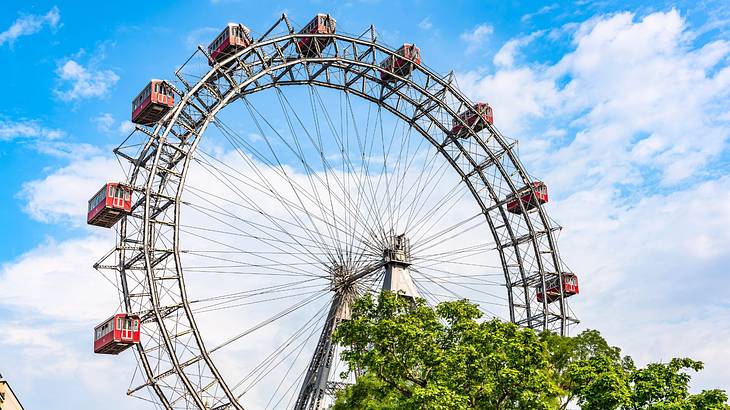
525 196
152 103
476 118
320 24
570 287
117 334
233 38
109 205
401 63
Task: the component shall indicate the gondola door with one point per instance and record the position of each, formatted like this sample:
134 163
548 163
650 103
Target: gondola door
126 333
116 197
119 196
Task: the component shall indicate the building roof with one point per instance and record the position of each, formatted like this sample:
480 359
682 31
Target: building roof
10 389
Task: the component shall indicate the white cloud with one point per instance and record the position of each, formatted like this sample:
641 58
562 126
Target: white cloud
28 129
83 82
254 137
49 141
543 10
475 38
51 300
201 36
593 90
654 269
425 24
682 90
66 150
55 198
104 122
126 126
515 94
51 297
505 57
30 24
31 281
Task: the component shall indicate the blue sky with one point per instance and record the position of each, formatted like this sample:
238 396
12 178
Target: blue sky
622 107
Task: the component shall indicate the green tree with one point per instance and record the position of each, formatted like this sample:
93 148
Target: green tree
594 375
589 370
665 386
416 357
411 356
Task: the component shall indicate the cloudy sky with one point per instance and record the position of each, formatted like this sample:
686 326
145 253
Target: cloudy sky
623 108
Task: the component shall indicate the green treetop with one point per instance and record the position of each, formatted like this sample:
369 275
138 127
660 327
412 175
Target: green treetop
412 356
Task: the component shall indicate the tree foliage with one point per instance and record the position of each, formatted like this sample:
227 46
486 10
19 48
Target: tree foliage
412 356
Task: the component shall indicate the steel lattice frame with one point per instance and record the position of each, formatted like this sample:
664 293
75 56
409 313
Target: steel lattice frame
175 363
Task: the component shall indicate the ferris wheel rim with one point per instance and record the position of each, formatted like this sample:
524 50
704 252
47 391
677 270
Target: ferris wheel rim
160 133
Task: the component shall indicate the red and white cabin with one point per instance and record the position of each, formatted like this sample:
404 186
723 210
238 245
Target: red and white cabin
401 63
320 24
152 103
525 196
109 205
476 118
570 288
117 334
233 38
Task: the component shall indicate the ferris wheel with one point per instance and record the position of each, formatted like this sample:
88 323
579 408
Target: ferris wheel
283 174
